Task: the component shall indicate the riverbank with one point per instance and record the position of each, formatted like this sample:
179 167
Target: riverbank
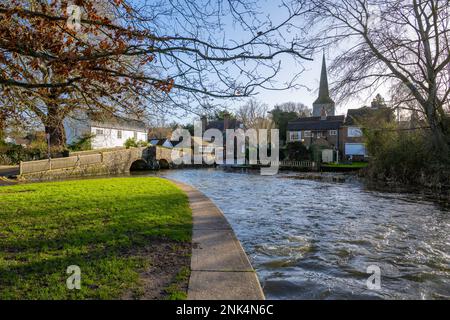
220 269
131 238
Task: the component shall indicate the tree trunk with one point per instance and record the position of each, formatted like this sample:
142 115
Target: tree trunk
439 139
54 127
2 127
57 136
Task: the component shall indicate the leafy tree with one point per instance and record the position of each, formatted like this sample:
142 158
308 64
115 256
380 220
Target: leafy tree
301 109
281 119
378 102
222 115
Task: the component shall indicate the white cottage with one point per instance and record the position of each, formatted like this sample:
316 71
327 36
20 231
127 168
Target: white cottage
107 132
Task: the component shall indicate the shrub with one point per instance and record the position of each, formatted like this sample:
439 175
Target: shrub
130 143
84 143
403 156
12 154
133 143
297 151
141 143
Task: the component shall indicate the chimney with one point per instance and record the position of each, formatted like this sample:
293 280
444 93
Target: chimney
323 114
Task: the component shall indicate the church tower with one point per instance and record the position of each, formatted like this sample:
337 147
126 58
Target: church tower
323 102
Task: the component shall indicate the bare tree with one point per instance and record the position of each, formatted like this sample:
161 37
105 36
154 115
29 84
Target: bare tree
253 113
160 55
391 42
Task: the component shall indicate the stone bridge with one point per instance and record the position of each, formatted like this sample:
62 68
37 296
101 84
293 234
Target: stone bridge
150 158
97 163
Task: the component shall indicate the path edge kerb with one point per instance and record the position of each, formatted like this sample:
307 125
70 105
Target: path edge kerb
220 268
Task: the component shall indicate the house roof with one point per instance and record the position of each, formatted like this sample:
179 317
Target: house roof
316 123
160 142
116 122
356 115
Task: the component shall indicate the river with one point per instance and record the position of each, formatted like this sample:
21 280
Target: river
315 240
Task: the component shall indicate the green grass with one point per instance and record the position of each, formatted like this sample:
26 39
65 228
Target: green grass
99 225
355 165
175 290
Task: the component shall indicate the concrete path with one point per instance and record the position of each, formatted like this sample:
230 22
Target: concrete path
220 268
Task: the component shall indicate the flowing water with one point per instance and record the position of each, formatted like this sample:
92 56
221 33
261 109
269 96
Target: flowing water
315 240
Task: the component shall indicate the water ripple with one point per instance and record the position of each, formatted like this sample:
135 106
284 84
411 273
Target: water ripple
314 240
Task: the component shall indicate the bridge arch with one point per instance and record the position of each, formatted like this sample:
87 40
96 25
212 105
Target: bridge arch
164 164
139 165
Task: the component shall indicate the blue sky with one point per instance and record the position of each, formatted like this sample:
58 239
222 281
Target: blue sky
310 77
308 80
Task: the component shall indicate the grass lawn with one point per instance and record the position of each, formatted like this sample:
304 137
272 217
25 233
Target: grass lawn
114 229
354 165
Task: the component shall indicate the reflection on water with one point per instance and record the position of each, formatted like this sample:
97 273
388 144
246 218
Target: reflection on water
315 240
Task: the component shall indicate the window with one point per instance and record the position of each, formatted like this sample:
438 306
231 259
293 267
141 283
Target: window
119 134
294 136
354 132
135 135
308 134
355 149
333 132
99 132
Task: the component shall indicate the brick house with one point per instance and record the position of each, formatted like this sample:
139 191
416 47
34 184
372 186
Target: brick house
338 133
324 131
352 138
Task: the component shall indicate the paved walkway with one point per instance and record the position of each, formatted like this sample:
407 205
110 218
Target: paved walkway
220 268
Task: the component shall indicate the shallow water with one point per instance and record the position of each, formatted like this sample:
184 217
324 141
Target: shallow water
314 240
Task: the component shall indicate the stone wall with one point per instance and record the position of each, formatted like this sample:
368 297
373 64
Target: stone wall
79 171
103 163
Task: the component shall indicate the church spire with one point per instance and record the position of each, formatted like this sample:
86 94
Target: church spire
324 92
324 100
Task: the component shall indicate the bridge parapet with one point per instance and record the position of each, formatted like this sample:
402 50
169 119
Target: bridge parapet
101 163
164 154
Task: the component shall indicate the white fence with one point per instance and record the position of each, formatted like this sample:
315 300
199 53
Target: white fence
290 164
